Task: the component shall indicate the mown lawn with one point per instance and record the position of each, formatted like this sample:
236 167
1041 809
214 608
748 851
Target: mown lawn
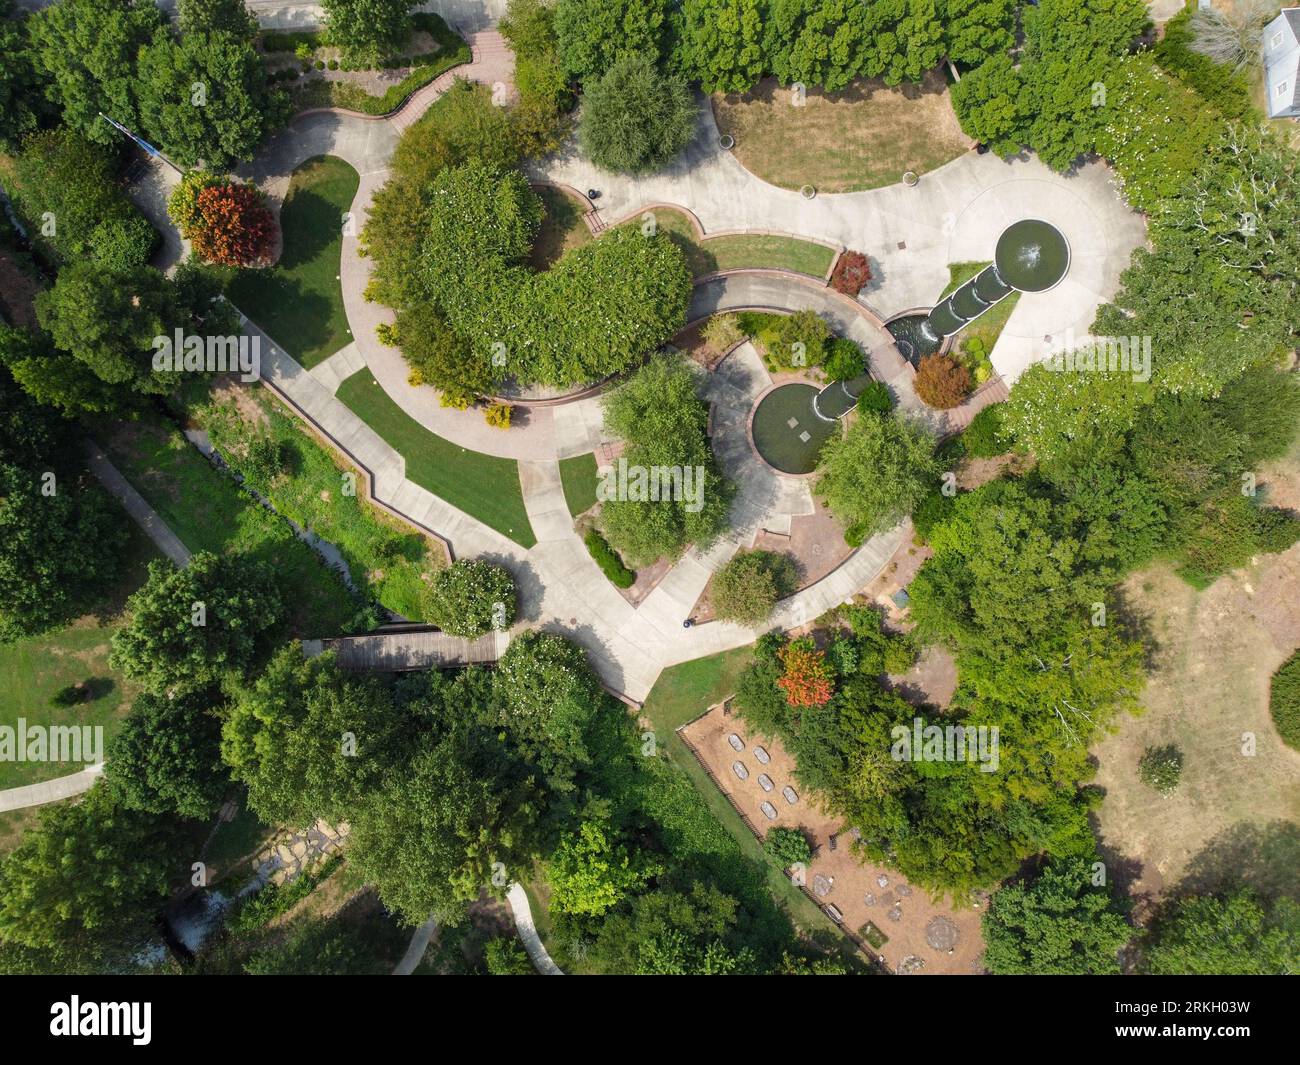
209 512
483 486
862 138
299 301
35 668
578 475
386 559
740 251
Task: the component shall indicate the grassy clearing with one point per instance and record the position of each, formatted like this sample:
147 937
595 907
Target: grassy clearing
578 475
299 301
739 251
209 512
37 667
483 486
862 138
986 329
562 227
387 560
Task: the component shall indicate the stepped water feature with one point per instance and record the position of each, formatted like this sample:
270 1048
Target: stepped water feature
792 422
1031 256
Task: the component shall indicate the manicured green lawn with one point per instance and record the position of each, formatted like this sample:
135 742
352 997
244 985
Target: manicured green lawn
740 251
483 486
683 692
387 559
299 301
578 474
989 325
35 668
209 512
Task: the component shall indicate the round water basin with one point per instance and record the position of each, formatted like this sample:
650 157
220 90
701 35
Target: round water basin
1032 255
787 431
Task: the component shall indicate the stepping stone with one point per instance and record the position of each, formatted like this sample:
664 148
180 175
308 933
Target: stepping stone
739 769
765 782
805 436
792 422
737 744
769 811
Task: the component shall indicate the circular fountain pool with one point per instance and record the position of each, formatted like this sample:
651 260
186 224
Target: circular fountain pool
787 433
1032 255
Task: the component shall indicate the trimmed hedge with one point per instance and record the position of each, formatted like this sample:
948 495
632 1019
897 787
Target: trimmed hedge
1284 701
608 561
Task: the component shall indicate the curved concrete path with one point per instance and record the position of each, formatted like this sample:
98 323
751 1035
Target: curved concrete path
953 214
39 794
542 962
416 948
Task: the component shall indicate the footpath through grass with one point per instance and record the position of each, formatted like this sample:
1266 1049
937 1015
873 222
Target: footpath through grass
35 668
209 512
483 486
299 301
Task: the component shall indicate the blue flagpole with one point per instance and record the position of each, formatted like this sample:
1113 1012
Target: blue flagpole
144 144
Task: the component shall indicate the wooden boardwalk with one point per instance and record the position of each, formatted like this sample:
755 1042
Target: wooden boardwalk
397 652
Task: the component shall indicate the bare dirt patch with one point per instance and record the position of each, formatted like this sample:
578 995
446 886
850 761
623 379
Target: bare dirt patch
862 138
861 892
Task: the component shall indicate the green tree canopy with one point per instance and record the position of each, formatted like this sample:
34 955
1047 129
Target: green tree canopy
1061 923
594 34
204 98
590 872
875 473
86 49
191 628
90 867
636 120
472 597
166 759
1240 934
368 29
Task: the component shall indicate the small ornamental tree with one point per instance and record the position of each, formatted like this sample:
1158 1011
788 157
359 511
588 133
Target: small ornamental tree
747 587
852 271
787 846
806 679
471 598
942 382
234 226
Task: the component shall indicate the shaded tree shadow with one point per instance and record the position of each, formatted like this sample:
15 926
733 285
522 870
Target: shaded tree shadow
1263 857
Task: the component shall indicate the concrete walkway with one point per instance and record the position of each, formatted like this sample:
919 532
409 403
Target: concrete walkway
954 214
542 962
416 948
64 787
134 504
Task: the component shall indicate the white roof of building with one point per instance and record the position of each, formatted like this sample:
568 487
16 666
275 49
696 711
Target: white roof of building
1281 49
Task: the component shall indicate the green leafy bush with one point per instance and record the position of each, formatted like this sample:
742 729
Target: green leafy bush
844 360
608 561
876 399
1161 768
1284 701
747 588
984 437
787 846
471 597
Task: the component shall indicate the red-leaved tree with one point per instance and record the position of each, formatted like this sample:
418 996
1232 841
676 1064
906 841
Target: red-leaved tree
942 381
852 271
807 677
234 226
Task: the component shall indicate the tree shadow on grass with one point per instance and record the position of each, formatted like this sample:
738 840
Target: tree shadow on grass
1263 857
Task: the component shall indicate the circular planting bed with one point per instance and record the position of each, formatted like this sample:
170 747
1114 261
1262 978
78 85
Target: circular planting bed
786 432
1032 255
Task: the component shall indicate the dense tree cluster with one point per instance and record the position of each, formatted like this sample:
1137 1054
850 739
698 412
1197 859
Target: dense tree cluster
661 416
